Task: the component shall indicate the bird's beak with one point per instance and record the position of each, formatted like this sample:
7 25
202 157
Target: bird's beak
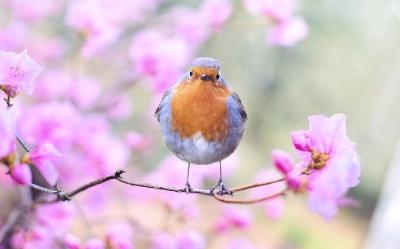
205 77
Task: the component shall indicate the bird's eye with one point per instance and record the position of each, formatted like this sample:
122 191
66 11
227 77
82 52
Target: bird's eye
191 74
217 76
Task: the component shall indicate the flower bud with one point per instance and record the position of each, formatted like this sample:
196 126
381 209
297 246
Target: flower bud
72 242
94 244
21 174
301 140
282 161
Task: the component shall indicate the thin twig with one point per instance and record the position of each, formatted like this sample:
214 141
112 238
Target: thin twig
22 143
249 201
255 185
8 101
115 176
118 177
166 188
11 220
67 196
43 189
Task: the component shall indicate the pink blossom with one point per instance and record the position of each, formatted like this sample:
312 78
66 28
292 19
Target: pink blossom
240 243
240 218
296 181
288 32
120 108
107 150
190 240
56 217
293 173
21 174
195 32
45 151
13 36
17 72
32 238
332 155
160 57
282 161
19 239
52 84
300 140
94 243
233 217
54 122
91 17
56 84
222 7
189 28
120 236
42 157
163 241
72 242
34 10
54 50
138 142
67 129
95 199
274 208
87 93
102 21
278 10
108 13
132 12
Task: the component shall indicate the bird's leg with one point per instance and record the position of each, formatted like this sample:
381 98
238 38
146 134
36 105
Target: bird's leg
222 190
188 188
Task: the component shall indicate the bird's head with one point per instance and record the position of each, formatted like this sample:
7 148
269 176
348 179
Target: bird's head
205 69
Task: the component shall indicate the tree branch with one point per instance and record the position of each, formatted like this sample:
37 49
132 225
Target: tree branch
11 220
219 197
255 185
69 195
61 196
249 201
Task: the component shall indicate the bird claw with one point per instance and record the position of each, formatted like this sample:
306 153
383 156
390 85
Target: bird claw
188 189
222 190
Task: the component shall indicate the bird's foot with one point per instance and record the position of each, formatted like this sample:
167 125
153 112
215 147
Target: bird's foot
220 189
187 189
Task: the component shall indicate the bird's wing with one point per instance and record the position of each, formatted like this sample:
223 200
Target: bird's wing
242 111
162 103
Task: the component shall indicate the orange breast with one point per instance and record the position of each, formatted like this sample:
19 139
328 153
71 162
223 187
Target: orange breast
199 106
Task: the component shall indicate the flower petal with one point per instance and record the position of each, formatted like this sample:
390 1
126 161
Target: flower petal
48 171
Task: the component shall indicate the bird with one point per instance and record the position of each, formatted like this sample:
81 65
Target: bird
201 119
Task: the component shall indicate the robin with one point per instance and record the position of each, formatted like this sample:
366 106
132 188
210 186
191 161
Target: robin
201 119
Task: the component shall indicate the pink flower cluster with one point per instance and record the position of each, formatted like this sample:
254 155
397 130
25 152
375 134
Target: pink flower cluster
42 158
47 227
17 72
118 236
163 56
183 240
103 21
287 28
328 165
